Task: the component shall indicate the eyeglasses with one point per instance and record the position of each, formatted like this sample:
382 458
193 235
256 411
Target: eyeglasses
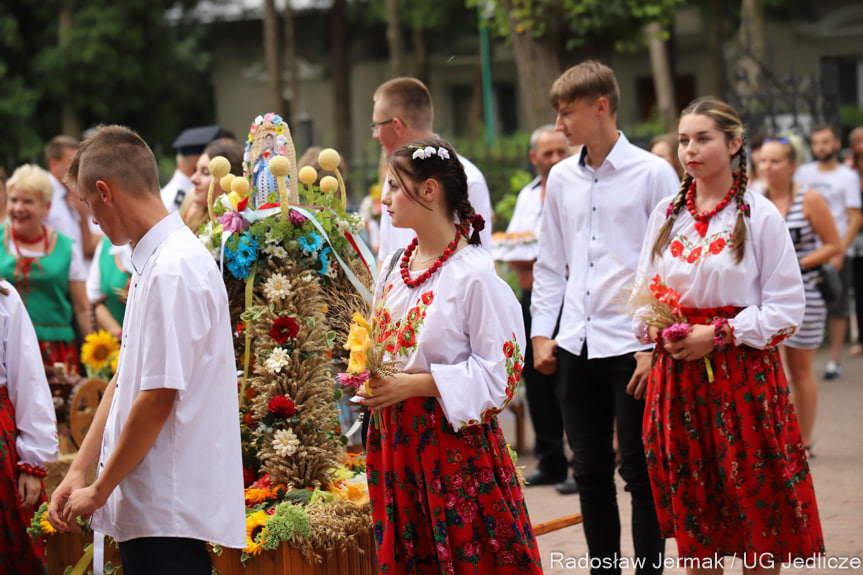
375 125
780 140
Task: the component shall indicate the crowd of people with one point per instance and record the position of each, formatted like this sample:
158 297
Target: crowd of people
710 425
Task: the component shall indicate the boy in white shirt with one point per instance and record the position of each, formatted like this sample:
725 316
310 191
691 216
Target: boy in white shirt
168 423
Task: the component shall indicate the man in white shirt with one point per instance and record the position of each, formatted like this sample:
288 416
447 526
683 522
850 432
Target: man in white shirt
403 113
596 211
190 145
547 148
840 186
168 422
66 214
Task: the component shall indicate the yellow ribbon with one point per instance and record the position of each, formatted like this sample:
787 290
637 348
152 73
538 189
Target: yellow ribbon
83 562
250 287
709 368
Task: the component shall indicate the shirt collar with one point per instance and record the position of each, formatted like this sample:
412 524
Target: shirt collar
615 157
153 238
537 181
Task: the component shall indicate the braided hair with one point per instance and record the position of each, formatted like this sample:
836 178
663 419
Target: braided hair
435 159
727 121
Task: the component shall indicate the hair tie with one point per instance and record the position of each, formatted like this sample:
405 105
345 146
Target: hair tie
477 222
743 208
670 210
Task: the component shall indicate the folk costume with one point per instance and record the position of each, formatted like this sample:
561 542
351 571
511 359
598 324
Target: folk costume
28 432
726 462
108 280
42 279
445 495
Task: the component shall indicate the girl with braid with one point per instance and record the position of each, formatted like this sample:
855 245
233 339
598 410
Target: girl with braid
445 495
725 457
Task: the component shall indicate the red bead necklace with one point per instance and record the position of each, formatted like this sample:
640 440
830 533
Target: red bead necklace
406 257
19 239
702 220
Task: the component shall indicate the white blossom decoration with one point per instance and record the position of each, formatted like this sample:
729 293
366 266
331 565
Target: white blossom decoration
285 442
278 359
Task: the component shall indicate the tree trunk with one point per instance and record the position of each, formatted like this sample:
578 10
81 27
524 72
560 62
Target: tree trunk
70 118
538 66
293 70
751 39
272 54
394 37
341 78
663 83
715 64
421 60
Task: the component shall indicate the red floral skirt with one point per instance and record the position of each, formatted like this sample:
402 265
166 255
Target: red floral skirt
19 553
65 352
726 462
446 502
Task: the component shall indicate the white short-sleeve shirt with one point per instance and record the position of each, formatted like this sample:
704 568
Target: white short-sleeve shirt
177 335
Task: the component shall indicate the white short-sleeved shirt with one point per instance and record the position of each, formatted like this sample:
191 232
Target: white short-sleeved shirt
94 278
175 190
766 284
177 335
840 187
67 221
521 241
464 326
393 238
22 372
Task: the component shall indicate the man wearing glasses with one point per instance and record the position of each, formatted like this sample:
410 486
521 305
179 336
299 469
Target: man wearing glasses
403 113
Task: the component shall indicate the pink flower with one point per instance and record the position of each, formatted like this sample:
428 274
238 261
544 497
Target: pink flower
233 222
442 552
676 332
355 381
449 500
296 218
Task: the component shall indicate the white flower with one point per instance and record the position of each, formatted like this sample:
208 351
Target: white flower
443 154
277 252
418 154
207 241
278 359
285 442
429 151
259 120
333 269
277 287
342 226
272 238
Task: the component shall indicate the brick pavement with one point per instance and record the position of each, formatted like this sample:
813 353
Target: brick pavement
837 470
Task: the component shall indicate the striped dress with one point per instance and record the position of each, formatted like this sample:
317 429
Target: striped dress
810 334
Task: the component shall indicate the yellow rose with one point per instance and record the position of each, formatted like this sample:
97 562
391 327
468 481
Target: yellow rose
358 362
358 339
361 321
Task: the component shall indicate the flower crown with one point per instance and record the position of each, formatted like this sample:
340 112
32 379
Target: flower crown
421 153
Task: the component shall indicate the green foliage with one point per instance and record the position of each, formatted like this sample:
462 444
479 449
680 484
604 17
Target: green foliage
122 63
287 523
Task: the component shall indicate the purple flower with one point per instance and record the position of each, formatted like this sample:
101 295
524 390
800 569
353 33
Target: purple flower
233 222
675 332
296 218
355 381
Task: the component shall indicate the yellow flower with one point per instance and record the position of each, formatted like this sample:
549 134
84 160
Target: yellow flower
361 321
358 363
98 348
253 522
47 528
114 359
358 339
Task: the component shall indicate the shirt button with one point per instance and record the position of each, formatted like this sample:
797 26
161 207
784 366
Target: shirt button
588 318
591 264
596 180
594 208
588 292
593 238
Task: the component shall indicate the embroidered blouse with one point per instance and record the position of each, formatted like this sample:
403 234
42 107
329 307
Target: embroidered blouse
766 284
464 326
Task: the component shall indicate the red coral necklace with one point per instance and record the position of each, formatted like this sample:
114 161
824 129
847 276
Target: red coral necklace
406 258
702 220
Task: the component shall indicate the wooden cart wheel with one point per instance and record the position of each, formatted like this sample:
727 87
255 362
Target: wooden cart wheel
82 407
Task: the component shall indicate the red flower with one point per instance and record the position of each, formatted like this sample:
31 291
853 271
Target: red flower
284 328
676 248
413 314
248 477
694 255
516 371
282 407
428 297
508 349
407 337
717 245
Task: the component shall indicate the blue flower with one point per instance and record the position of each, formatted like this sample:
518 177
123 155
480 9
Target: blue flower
241 258
325 262
311 246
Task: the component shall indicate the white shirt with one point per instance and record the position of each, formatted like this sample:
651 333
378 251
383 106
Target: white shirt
593 224
177 335
840 187
66 220
465 320
94 278
395 238
175 190
521 240
22 372
766 284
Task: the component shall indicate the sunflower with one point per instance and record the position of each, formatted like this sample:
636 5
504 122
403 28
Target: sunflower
98 350
254 521
47 528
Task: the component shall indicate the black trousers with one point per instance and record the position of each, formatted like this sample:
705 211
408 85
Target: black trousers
165 556
544 407
593 394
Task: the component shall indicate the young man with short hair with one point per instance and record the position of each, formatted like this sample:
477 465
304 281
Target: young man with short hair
840 186
597 207
166 434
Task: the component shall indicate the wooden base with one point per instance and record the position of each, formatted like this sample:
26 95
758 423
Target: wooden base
65 549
